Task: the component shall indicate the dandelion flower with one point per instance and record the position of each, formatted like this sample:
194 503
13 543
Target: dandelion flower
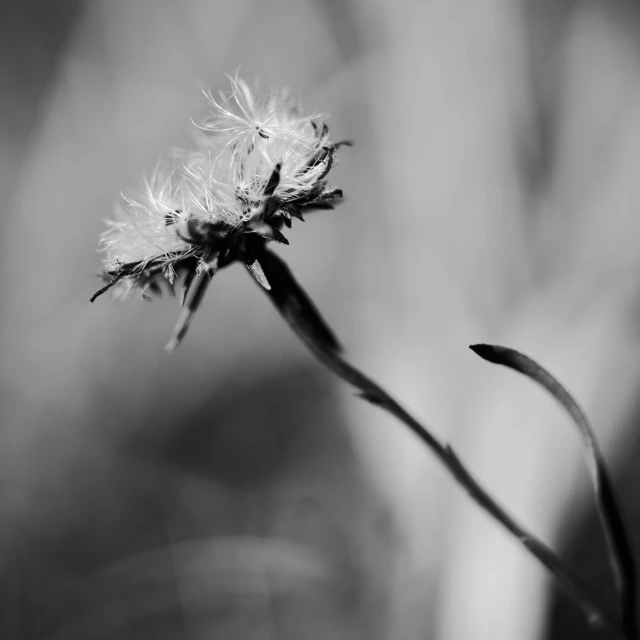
257 161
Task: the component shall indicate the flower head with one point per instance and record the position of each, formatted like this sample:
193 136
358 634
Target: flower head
257 162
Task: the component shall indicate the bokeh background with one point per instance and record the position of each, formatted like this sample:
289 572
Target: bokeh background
233 489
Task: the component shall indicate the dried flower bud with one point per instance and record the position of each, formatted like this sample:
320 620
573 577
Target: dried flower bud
256 162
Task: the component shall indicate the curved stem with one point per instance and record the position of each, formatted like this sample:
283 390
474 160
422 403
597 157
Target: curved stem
369 390
302 316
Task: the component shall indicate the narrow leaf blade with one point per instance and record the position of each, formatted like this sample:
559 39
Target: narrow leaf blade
619 548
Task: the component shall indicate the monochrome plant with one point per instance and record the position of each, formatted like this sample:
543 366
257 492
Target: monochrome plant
257 162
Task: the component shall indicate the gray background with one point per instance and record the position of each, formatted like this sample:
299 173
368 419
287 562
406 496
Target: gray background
233 489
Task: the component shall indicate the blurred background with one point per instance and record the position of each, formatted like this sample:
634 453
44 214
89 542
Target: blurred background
233 489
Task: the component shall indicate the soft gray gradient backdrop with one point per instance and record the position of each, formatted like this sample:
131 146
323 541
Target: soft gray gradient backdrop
232 489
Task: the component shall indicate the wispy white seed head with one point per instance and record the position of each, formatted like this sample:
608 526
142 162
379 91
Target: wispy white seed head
257 161
143 225
221 178
258 131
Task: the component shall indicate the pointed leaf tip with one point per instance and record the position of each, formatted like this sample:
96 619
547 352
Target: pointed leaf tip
278 236
106 288
171 345
489 352
255 269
